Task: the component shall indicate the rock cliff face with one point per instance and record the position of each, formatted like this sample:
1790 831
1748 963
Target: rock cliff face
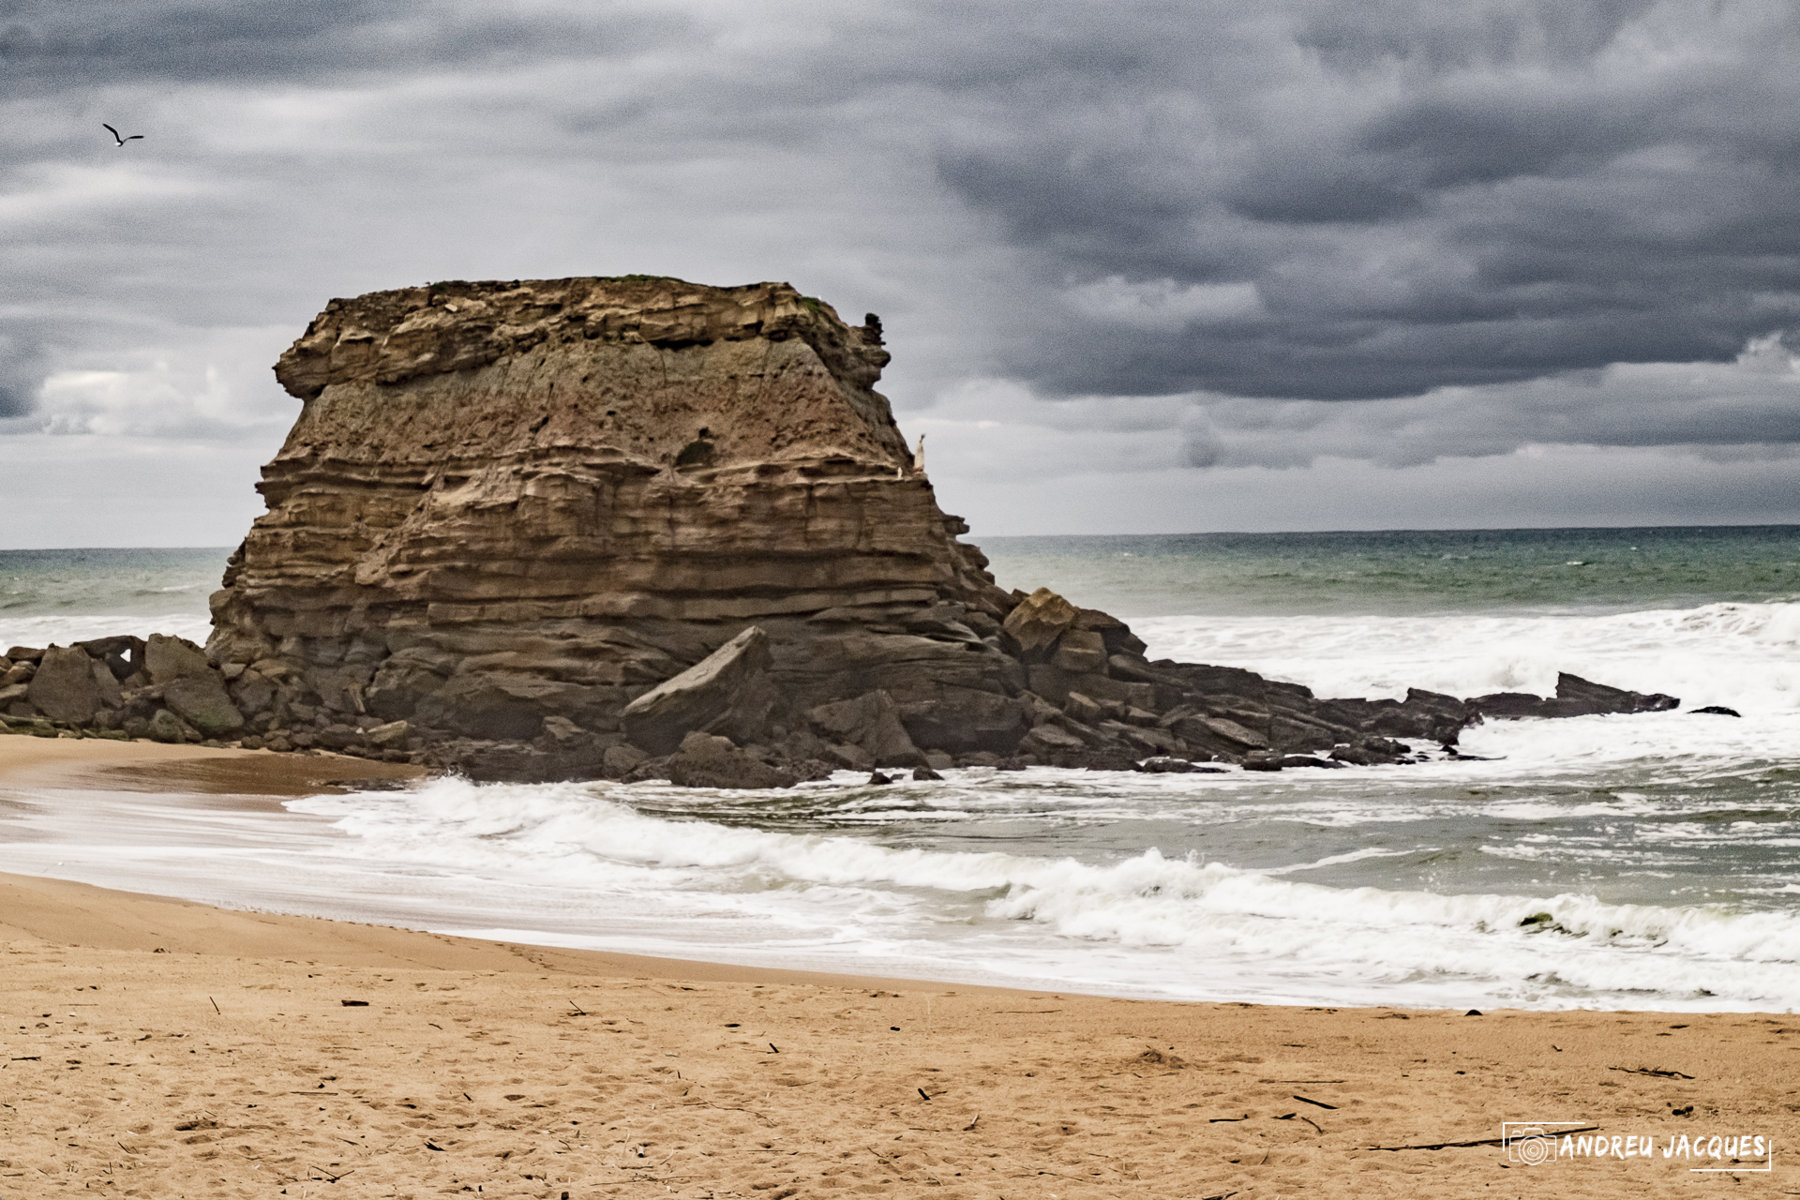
639 528
507 502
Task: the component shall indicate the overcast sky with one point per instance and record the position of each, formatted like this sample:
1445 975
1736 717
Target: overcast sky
1144 266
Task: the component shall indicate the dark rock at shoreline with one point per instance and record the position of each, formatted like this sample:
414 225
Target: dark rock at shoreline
167 659
1587 698
705 760
1371 751
1165 764
728 692
201 701
1575 697
872 723
165 726
71 688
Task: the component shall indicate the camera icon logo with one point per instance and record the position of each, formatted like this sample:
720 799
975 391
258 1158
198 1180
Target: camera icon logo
1530 1145
1534 1142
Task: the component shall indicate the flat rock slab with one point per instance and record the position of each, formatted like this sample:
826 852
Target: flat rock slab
727 692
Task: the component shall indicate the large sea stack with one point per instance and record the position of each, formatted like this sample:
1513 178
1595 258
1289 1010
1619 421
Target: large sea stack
504 503
645 528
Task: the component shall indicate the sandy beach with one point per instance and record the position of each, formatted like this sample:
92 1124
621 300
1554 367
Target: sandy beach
159 1048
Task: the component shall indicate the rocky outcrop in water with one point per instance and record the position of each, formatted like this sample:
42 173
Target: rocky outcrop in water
639 528
1575 697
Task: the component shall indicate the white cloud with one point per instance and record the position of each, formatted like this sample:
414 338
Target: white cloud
1163 304
207 395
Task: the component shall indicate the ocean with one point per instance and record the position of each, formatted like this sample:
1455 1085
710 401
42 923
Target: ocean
1642 862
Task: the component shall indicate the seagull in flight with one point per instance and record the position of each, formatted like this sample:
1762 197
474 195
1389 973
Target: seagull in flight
116 136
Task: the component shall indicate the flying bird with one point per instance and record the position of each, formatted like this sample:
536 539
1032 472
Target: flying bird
116 136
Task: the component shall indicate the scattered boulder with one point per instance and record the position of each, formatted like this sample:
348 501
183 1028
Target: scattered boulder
1372 751
496 705
338 736
965 720
1431 716
167 659
1717 710
1217 735
705 760
251 691
619 761
727 692
388 736
1080 652
1167 764
1085 709
165 726
123 655
1582 697
70 688
1038 621
1575 697
1510 706
202 702
1049 741
871 722
847 755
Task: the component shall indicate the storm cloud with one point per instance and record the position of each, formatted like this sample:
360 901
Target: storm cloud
1415 195
1202 237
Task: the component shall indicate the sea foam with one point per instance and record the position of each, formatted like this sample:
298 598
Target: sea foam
1145 923
1740 655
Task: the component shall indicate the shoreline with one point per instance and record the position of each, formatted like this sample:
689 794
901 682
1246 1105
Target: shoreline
250 776
258 784
167 1047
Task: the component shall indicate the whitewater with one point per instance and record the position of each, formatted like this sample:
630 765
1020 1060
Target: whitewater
1644 862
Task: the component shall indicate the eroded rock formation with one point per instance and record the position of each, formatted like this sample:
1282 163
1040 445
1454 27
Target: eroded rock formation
506 502
640 528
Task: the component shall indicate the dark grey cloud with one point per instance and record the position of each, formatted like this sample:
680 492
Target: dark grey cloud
109 41
1434 195
16 385
1477 33
1723 414
23 355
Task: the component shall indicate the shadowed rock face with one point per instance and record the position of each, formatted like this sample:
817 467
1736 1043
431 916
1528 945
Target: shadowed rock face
504 501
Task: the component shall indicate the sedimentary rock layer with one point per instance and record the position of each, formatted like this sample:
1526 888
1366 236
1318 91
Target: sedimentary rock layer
504 502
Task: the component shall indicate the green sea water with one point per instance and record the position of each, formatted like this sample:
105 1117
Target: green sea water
1408 572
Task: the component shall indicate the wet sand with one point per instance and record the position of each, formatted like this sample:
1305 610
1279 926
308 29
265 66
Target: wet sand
155 1048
